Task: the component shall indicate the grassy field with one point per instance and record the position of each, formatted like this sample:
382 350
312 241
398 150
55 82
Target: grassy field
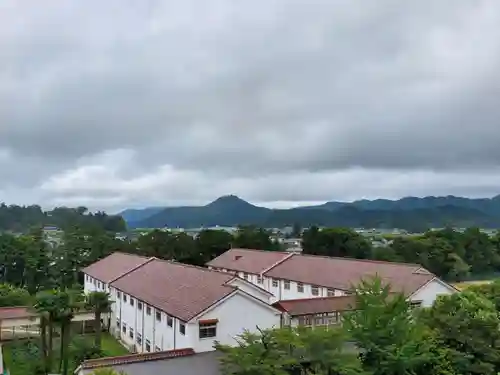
110 346
465 284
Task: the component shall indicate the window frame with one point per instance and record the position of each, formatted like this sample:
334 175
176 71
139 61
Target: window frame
182 329
170 321
138 338
300 287
315 290
131 301
148 310
286 284
139 305
275 283
158 316
148 345
207 330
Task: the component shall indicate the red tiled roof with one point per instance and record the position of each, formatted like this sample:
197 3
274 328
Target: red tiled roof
134 358
343 273
318 305
248 260
114 266
17 312
178 289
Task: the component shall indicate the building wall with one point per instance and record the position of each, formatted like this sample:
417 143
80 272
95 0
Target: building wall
92 285
428 294
277 288
235 314
161 336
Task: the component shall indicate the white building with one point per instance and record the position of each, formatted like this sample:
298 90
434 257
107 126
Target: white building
295 276
161 305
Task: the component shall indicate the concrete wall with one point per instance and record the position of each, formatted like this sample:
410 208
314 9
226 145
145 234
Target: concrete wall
428 293
236 314
231 315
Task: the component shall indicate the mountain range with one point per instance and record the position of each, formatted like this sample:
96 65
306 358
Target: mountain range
411 213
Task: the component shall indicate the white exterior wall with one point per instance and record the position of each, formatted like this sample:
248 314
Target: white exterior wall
159 333
233 316
429 292
280 293
90 286
230 313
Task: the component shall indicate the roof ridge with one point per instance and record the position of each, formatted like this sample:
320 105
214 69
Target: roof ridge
147 260
137 357
258 250
191 266
314 298
361 260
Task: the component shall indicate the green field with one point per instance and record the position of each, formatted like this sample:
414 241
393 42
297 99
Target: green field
110 346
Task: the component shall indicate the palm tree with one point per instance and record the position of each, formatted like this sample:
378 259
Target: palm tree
68 303
100 303
46 306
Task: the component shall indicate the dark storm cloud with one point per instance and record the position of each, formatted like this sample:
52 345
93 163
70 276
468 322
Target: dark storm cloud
222 94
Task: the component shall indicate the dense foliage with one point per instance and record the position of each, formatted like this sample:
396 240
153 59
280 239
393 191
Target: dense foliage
413 214
20 219
450 254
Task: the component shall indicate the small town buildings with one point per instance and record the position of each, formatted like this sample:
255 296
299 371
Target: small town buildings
291 276
162 305
174 362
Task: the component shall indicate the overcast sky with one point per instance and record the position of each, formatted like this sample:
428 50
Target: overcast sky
121 103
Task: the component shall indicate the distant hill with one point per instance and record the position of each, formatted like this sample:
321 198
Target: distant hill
132 215
409 213
21 219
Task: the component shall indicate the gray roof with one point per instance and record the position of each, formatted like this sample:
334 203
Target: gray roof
206 363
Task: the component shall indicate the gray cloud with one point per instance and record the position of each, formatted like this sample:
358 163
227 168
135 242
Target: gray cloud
147 102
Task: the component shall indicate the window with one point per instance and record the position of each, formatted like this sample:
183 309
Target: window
100 285
300 287
169 321
139 305
148 345
182 328
260 279
286 284
208 329
138 338
95 282
131 333
245 276
131 301
314 290
157 349
124 297
415 304
305 320
158 315
118 294
148 310
275 283
330 292
118 323
124 328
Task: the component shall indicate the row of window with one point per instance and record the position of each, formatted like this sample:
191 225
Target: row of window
169 319
138 336
96 283
286 285
206 330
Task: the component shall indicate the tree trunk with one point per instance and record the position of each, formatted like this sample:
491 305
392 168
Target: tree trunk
43 333
61 348
66 338
50 327
98 329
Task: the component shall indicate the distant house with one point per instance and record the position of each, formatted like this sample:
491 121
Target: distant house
175 362
161 305
296 276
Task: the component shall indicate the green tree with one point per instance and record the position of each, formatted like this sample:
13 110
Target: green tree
13 296
469 326
250 237
210 244
290 351
383 327
100 303
336 242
